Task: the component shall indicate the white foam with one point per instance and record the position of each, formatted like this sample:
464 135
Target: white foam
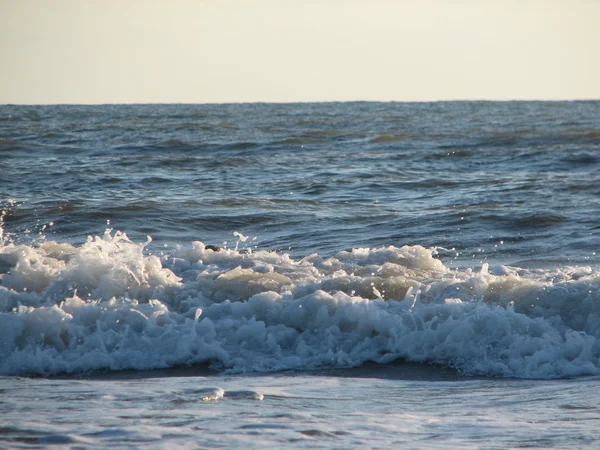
109 304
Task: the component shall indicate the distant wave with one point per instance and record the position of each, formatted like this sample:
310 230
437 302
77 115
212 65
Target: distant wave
389 138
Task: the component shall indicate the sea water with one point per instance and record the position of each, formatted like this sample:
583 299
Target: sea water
338 275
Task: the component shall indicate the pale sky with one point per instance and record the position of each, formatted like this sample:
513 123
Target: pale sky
216 51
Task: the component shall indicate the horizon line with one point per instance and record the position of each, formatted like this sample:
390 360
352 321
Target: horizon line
531 100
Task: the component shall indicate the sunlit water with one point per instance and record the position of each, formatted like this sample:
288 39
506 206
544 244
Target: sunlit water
302 411
343 275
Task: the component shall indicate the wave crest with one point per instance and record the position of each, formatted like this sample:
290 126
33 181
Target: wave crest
110 304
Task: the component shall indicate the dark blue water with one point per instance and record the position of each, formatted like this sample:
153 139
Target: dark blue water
516 182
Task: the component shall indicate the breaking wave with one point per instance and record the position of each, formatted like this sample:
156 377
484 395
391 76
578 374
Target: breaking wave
110 304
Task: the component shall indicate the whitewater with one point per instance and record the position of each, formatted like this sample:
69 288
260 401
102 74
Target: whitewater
339 275
106 305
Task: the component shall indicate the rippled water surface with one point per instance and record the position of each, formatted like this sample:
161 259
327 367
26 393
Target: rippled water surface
516 181
292 410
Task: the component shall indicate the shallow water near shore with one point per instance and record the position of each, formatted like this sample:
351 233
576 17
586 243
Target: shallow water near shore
343 275
410 407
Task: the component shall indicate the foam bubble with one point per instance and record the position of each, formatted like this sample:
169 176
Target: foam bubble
110 304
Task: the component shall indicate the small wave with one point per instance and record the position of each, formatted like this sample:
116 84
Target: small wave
159 180
301 140
168 145
581 158
228 126
585 134
330 132
9 143
452 152
533 221
537 221
245 145
389 138
179 161
228 161
175 144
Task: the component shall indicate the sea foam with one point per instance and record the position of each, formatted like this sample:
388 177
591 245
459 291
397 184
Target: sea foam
111 305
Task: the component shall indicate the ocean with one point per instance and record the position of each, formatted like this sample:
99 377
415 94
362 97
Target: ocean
311 275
